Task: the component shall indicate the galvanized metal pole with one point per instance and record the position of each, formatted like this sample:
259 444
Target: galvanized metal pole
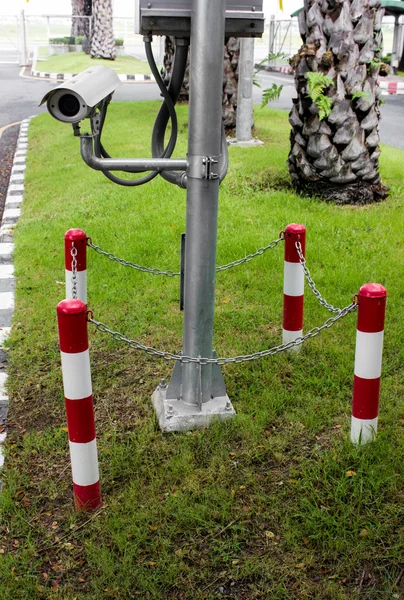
23 40
196 392
204 140
245 120
271 34
245 85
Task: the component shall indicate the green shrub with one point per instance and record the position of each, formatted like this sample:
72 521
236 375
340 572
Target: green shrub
118 42
63 40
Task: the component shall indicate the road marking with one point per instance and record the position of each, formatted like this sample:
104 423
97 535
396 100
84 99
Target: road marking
7 126
286 80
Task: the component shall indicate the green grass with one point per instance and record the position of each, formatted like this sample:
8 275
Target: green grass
275 503
74 62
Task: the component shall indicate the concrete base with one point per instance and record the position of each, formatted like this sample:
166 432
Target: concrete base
246 144
176 415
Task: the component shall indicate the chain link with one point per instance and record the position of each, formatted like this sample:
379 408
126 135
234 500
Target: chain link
222 360
73 253
249 257
311 283
126 263
169 273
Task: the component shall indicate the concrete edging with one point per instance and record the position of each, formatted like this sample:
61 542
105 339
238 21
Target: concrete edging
11 214
65 76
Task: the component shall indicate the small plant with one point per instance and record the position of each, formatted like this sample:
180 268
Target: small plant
118 42
317 83
357 95
271 94
272 56
70 40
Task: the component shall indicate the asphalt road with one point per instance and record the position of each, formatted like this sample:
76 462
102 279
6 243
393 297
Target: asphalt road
20 97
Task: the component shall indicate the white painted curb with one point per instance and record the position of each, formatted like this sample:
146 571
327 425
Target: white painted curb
10 217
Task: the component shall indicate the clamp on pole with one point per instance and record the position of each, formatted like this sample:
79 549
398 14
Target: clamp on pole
203 167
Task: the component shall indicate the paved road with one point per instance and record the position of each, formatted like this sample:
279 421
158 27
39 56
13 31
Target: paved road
20 98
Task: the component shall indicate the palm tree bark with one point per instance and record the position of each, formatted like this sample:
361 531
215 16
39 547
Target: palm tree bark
81 26
337 157
230 78
102 40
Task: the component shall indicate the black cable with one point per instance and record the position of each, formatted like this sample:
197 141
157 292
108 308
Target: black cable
174 89
177 77
99 149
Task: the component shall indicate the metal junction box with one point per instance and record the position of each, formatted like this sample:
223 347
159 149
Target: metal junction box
173 17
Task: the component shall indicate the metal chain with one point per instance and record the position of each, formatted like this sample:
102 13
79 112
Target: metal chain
311 283
249 257
221 360
126 263
73 253
169 273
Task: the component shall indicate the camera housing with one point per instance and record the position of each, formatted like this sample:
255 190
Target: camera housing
76 99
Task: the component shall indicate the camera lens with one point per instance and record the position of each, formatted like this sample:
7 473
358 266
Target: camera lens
69 106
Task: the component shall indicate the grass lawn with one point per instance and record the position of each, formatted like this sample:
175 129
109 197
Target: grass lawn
273 504
74 62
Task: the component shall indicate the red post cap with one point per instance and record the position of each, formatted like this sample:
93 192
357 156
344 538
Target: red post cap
373 290
79 237
75 235
295 229
72 325
371 308
294 233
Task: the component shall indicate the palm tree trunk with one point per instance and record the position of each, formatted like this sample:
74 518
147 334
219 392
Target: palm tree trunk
80 27
102 40
230 78
336 155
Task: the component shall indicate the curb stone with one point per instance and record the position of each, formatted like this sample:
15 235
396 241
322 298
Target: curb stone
65 76
11 214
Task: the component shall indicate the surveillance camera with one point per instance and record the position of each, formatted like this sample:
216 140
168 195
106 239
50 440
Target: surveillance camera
77 98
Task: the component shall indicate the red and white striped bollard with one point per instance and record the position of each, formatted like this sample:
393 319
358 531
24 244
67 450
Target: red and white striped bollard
368 362
76 256
293 284
73 339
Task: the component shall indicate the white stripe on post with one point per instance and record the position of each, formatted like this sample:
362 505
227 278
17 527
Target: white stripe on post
290 336
81 284
76 375
368 354
363 429
293 280
84 460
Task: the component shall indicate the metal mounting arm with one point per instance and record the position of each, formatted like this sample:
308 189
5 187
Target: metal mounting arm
130 165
